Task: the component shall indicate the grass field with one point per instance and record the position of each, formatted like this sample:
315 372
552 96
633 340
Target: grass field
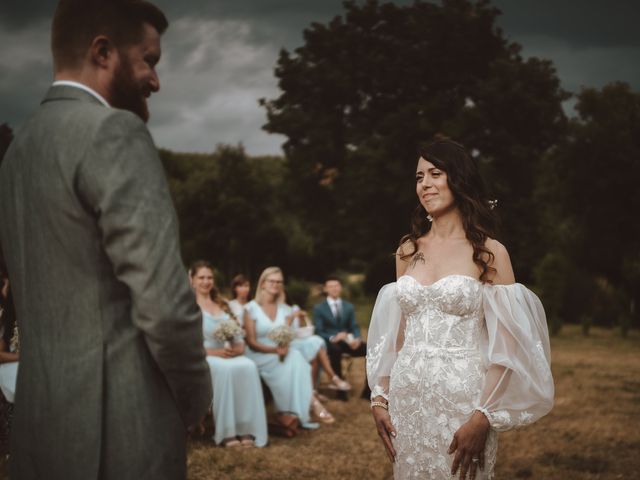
592 433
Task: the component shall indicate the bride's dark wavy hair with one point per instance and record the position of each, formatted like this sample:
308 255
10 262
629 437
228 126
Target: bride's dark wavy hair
465 182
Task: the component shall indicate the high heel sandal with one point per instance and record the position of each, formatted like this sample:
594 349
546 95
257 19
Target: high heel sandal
340 384
286 425
231 442
321 413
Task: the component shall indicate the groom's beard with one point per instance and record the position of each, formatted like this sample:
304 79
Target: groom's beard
126 93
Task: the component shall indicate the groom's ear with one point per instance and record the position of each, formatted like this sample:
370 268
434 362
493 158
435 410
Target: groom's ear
102 52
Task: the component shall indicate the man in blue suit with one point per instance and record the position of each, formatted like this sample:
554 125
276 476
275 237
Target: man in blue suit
335 321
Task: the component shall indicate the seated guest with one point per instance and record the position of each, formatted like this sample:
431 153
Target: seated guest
335 322
9 346
313 349
9 341
238 405
240 288
283 369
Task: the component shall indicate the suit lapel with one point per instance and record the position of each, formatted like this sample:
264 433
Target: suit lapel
327 308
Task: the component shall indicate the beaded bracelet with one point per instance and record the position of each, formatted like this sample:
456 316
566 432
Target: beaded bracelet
380 404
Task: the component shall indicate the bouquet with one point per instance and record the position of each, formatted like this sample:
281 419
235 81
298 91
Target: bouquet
282 335
14 345
227 331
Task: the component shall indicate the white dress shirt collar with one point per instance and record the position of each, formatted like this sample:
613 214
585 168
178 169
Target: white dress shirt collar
91 91
334 305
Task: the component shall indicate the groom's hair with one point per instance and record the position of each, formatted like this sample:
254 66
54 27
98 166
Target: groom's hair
77 22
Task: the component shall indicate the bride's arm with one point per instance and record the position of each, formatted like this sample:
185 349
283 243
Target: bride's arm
380 403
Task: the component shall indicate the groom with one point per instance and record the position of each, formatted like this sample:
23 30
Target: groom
112 364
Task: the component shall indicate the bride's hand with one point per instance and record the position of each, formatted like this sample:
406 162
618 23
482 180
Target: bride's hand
385 429
468 444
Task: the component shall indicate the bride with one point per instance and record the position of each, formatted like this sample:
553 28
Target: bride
457 350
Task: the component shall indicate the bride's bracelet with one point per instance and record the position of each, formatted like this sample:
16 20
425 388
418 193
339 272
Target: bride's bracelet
380 404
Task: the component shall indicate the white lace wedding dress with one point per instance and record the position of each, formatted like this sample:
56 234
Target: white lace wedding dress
441 351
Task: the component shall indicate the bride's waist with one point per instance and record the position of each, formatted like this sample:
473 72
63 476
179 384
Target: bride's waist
438 350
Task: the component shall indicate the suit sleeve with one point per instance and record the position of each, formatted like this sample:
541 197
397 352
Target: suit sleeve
318 321
122 182
353 325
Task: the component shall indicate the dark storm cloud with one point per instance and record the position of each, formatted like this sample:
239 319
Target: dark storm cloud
219 55
581 23
17 14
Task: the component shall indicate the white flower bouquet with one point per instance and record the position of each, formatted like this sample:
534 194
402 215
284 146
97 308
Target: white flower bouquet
14 345
227 332
282 336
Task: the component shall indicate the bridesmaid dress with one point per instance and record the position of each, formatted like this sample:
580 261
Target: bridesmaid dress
288 380
238 310
8 376
307 346
238 404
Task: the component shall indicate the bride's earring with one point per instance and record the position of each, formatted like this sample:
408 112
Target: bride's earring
429 217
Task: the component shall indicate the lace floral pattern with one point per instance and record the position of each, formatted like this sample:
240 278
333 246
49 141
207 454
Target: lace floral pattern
438 375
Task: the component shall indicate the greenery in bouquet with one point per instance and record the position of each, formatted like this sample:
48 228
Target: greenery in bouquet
228 331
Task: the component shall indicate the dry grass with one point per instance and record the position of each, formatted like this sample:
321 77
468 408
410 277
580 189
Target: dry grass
592 433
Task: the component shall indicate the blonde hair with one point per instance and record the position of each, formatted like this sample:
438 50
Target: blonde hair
263 276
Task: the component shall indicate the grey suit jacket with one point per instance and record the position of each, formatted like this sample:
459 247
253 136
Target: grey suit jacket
112 364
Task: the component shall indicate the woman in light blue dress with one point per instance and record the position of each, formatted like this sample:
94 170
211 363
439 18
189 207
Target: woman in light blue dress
9 346
238 405
9 343
240 288
314 350
284 369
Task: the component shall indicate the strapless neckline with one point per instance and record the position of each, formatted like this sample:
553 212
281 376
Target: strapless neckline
453 275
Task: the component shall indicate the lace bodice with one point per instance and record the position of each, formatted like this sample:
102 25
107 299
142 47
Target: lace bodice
445 315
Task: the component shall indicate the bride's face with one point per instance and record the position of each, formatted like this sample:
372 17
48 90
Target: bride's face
432 188
202 281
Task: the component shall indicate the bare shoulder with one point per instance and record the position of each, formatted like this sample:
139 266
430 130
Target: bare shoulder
501 262
402 263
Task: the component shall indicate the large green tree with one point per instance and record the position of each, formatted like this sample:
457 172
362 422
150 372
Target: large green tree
231 211
366 88
589 190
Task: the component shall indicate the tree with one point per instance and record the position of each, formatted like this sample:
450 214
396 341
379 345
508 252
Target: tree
590 194
232 211
365 89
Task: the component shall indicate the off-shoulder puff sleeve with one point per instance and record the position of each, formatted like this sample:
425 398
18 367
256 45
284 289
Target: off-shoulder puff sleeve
518 388
384 339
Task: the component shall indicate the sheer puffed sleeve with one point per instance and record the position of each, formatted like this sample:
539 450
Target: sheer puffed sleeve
383 340
518 387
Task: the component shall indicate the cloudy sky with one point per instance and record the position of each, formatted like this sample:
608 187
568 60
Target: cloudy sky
218 58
